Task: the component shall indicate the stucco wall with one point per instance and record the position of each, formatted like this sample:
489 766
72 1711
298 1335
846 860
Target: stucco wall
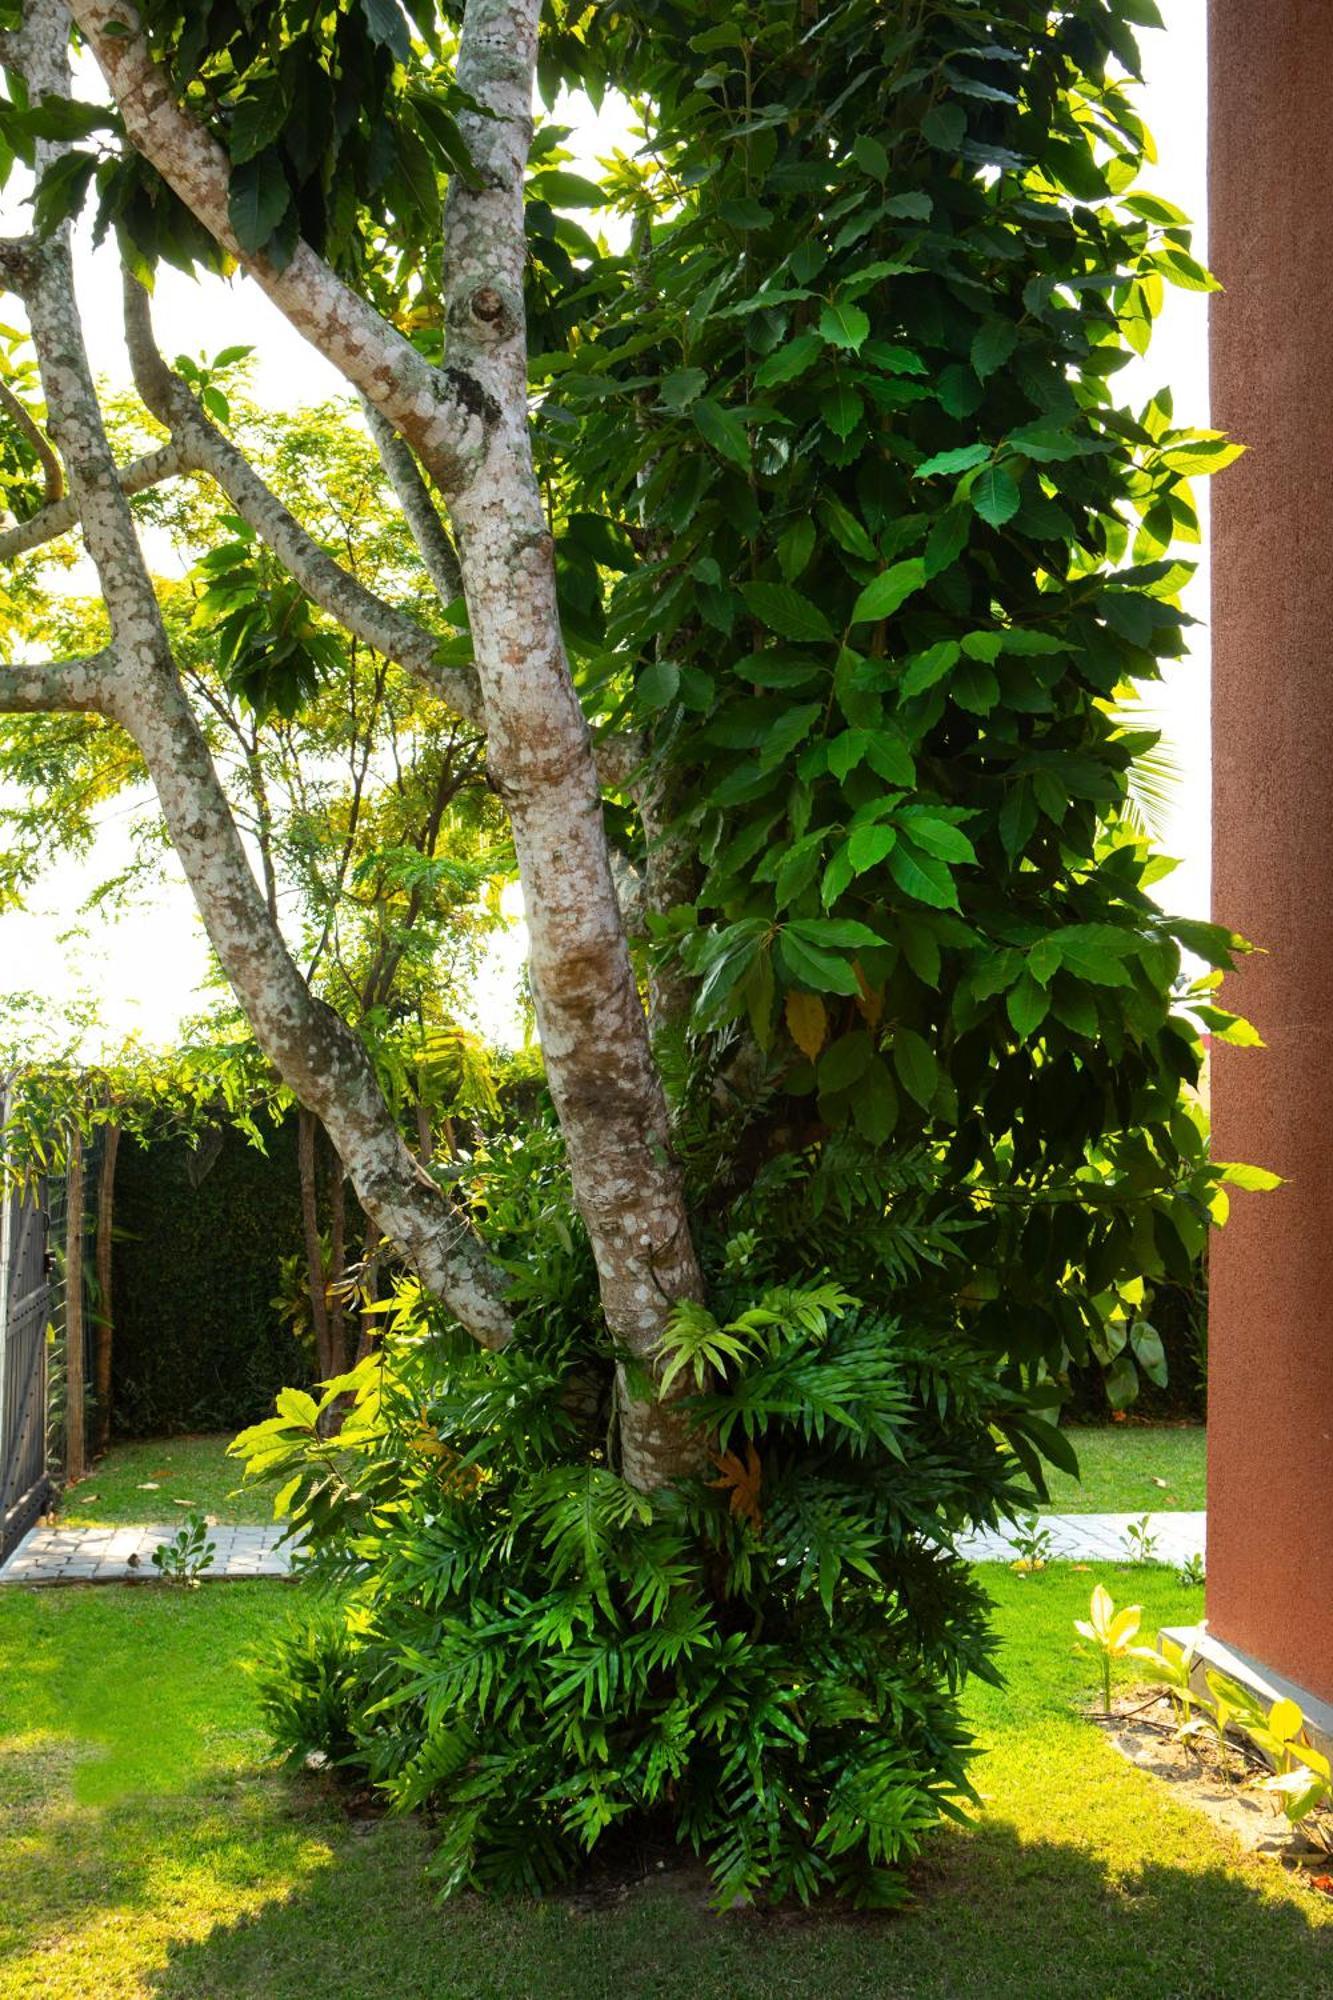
1270 1542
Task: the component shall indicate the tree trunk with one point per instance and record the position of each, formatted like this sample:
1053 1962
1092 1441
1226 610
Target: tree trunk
594 1035
369 1322
105 1333
307 1162
76 1458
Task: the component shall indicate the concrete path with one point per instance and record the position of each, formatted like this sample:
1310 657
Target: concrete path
1097 1538
116 1555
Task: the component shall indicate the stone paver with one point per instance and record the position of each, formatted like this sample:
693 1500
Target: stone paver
119 1555
1097 1538
125 1554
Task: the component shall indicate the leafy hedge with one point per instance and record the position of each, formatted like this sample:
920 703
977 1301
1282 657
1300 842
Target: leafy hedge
199 1345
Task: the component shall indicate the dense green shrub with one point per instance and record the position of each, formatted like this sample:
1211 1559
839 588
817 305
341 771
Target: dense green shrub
199 1345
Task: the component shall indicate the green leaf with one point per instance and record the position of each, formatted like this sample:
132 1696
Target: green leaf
843 325
922 877
992 346
875 1104
785 611
387 24
657 686
958 391
868 846
683 387
917 1066
256 122
722 429
870 156
789 361
258 199
842 409
938 836
561 189
796 547
819 971
995 495
961 459
944 127
886 592
791 728
846 1060
924 670
1026 1005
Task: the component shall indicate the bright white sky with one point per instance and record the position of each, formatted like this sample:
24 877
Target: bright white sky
145 965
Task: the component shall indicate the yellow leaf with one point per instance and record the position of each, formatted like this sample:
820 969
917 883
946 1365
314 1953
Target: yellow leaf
1285 1720
870 999
808 1022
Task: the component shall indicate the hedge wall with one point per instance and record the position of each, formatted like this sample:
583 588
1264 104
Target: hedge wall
199 1346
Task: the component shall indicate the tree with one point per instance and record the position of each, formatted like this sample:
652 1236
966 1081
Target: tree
831 504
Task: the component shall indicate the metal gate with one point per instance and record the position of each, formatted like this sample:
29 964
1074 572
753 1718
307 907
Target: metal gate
25 1310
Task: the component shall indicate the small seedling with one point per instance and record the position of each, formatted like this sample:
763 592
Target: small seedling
1033 1543
1140 1539
1112 1633
1192 1569
187 1555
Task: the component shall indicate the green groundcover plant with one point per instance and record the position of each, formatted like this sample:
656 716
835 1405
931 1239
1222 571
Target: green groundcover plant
853 524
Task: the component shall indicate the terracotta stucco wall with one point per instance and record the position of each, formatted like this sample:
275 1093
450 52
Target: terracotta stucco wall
1270 1541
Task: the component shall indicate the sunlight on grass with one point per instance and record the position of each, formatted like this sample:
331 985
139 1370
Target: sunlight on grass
147 1850
1131 1469
152 1479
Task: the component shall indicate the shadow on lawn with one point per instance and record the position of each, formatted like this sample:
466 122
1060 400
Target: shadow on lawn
997 1918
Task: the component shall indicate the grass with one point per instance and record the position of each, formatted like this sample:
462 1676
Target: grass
1122 1465
150 1479
147 1851
1131 1469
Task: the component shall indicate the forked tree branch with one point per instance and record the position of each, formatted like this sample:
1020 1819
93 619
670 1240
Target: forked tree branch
323 1062
383 627
440 414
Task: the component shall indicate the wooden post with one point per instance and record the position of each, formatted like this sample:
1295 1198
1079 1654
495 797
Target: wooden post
76 1463
105 1329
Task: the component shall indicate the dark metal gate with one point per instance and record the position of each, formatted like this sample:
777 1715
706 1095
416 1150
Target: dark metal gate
25 1311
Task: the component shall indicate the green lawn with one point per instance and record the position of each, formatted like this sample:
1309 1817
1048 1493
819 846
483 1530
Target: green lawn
144 1480
1121 1465
1131 1469
145 1850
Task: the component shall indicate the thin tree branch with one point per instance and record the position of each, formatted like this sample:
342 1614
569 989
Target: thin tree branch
49 523
419 511
53 472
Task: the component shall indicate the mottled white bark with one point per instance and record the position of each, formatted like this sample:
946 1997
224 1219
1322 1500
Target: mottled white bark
594 1034
136 683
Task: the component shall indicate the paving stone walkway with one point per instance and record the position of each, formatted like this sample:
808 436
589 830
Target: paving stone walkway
1098 1538
118 1555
